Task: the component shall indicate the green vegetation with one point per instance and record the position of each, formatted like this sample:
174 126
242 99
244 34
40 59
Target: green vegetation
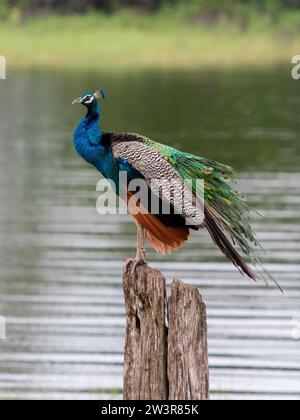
149 5
206 33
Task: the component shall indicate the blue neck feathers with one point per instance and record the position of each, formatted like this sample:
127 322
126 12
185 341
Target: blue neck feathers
91 124
88 143
88 133
93 113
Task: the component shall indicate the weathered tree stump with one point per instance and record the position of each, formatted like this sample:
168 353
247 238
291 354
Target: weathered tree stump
164 363
188 371
146 346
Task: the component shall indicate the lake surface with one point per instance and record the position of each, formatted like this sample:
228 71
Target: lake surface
61 263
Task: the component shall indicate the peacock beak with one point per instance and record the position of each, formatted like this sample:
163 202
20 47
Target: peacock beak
77 101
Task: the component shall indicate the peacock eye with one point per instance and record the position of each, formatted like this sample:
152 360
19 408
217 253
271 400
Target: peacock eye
88 99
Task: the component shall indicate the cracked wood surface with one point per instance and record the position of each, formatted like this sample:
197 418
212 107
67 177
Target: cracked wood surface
164 362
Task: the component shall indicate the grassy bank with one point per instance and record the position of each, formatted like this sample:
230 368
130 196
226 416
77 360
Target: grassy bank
126 40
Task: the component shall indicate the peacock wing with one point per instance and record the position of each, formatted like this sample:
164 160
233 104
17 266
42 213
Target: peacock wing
159 173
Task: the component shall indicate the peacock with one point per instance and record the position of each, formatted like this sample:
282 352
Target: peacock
224 212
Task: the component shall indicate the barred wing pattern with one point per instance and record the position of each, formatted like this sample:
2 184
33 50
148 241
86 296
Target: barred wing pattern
153 166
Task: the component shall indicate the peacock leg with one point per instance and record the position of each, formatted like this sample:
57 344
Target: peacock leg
140 258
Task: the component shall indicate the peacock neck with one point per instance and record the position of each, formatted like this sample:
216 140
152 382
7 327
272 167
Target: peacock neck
93 115
90 125
90 144
88 134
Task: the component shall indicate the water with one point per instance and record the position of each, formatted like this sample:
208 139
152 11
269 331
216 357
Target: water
61 263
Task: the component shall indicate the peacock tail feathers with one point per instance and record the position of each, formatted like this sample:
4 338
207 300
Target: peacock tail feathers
227 206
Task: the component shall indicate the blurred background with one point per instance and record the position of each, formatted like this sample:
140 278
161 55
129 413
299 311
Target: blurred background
210 77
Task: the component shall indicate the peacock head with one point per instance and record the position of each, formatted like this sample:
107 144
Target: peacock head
90 100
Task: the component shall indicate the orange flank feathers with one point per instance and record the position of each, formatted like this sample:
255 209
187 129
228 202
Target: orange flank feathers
163 239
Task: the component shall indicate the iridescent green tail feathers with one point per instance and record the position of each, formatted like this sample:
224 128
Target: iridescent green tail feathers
227 215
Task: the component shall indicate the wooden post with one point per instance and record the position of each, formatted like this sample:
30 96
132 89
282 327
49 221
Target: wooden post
146 346
188 371
164 363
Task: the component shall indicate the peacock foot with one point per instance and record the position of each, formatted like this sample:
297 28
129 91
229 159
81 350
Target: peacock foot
135 263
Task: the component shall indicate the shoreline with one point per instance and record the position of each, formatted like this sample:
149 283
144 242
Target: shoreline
90 41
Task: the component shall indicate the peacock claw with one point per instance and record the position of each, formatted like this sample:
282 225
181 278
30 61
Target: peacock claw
136 263
128 264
